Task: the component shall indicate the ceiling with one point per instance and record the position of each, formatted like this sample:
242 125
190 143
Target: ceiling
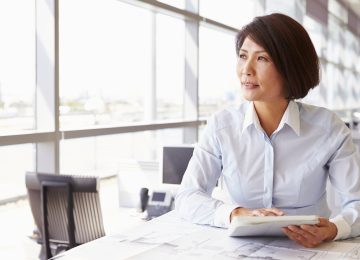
354 5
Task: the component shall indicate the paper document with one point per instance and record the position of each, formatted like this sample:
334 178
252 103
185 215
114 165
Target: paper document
268 225
215 244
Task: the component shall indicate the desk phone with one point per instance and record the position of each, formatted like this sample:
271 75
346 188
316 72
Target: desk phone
160 202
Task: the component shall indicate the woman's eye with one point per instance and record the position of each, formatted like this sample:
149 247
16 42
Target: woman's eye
262 58
242 56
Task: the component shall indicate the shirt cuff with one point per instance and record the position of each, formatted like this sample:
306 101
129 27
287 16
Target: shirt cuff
222 215
343 228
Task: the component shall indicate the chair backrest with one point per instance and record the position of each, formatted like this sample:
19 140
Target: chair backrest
46 194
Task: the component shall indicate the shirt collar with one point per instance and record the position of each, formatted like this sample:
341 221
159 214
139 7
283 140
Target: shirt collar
251 118
291 117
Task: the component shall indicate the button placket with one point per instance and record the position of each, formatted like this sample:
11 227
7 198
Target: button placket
268 173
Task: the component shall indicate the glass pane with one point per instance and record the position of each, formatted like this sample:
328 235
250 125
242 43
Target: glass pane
105 62
17 65
170 65
177 3
201 130
338 91
218 84
318 95
338 10
357 51
357 80
107 155
292 8
234 13
12 174
334 48
351 87
350 50
316 32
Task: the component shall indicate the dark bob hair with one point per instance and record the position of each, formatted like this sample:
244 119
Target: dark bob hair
290 49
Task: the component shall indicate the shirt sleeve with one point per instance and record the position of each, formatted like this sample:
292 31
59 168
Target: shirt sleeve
344 174
194 202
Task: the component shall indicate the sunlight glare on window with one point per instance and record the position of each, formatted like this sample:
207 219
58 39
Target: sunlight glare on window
17 65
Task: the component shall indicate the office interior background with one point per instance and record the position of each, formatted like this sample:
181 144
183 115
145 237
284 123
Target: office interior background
97 87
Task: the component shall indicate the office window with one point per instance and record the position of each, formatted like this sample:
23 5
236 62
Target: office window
17 65
316 32
357 89
105 155
170 66
351 88
357 53
318 96
219 86
331 86
12 173
178 3
338 10
334 48
230 12
351 48
338 90
342 45
293 8
105 62
342 96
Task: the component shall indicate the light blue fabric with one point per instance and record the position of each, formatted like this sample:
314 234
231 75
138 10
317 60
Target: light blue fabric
287 170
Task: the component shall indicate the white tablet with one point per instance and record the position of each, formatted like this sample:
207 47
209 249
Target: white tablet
268 225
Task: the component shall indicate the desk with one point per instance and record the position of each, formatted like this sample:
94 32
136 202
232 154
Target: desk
169 237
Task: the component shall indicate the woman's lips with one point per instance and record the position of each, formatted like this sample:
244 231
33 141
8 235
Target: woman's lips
250 85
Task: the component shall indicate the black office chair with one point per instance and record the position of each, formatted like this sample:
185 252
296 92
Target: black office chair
66 210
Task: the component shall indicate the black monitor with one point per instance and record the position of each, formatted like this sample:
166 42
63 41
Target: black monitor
175 160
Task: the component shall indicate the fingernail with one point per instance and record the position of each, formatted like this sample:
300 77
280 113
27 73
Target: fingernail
291 227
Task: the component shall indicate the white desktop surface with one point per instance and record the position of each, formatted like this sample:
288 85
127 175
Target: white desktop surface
169 237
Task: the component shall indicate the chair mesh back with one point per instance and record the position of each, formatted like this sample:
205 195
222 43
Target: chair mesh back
87 216
57 217
87 210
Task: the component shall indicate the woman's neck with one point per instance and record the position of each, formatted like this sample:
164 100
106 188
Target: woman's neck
270 114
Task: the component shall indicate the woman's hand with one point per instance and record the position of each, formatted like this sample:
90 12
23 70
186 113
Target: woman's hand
312 235
256 212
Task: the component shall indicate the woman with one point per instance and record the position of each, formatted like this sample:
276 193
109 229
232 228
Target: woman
274 154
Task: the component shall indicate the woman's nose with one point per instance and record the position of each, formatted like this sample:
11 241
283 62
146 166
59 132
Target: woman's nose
247 68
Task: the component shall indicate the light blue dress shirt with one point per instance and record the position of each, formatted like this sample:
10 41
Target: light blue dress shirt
287 170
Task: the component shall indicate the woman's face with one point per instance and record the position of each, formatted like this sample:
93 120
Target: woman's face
260 80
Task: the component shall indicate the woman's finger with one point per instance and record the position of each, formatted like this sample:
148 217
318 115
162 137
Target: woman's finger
313 229
257 212
323 222
267 212
298 238
303 233
276 211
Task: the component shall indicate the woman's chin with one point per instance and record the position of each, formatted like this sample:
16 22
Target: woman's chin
249 94
249 97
